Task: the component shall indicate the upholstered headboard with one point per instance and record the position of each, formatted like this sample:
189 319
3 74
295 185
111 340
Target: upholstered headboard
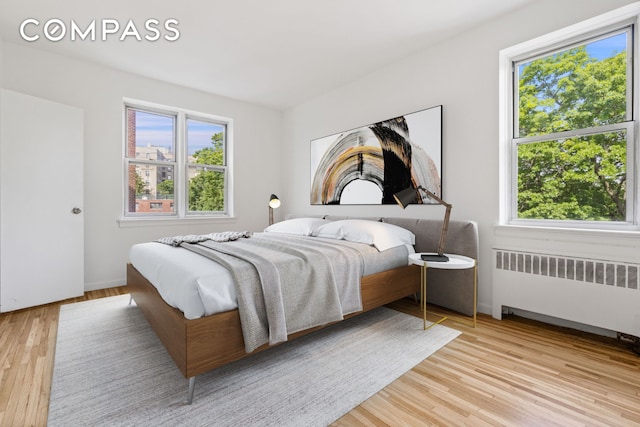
451 289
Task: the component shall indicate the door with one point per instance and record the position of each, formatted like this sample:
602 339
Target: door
41 219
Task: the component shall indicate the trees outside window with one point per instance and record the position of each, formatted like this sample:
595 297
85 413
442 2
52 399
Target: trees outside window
572 138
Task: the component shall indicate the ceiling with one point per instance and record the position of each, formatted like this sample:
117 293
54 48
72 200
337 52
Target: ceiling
277 53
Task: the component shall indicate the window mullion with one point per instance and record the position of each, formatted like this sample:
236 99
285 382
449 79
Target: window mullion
515 93
513 188
575 133
633 198
180 182
631 60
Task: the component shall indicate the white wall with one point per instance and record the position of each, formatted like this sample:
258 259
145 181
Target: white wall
462 75
99 91
272 149
1 56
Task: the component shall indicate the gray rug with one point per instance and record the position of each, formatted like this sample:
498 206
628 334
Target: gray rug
110 369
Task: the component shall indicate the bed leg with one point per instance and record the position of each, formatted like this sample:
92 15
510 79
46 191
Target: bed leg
192 386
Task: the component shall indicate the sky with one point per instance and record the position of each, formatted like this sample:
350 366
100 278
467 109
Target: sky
599 49
605 48
157 130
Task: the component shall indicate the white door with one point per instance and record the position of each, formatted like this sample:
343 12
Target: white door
41 175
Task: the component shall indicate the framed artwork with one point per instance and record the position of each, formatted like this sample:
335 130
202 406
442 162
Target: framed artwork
368 165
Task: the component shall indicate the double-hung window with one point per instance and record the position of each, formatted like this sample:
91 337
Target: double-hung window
568 112
176 163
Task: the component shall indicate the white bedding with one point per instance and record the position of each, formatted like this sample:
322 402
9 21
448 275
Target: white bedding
184 279
199 287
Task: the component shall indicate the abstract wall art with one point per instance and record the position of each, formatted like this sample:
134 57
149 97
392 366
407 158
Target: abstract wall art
368 165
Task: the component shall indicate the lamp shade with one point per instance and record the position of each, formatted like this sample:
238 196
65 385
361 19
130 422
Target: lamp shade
274 202
406 197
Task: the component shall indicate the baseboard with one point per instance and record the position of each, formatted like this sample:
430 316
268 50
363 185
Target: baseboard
560 322
104 285
484 308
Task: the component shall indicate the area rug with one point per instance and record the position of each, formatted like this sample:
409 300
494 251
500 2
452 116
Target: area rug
111 369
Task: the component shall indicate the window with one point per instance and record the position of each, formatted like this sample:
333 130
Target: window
176 163
567 122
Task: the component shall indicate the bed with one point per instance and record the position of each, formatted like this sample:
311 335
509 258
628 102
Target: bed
200 340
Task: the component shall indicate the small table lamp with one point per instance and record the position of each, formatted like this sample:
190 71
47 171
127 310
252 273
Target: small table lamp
274 203
410 195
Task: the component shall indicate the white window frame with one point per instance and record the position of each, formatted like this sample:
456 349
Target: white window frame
180 164
611 21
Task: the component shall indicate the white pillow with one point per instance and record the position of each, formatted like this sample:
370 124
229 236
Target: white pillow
299 226
379 234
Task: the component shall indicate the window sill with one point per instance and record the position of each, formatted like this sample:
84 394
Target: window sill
560 232
620 245
132 222
622 230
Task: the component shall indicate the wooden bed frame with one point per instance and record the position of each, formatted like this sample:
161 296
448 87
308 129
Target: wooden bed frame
200 345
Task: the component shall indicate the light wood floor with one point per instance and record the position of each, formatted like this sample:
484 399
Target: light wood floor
513 372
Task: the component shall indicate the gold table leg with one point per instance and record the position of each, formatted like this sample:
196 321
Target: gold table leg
475 291
423 291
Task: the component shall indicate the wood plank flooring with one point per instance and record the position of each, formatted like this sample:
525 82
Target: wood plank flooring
27 347
513 372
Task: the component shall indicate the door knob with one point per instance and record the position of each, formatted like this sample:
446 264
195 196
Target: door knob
76 210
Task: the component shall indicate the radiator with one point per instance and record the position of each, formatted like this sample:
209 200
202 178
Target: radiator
600 293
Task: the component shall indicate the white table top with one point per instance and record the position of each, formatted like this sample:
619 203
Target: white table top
456 262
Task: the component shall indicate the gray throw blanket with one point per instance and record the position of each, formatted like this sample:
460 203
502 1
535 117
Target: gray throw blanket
287 283
224 236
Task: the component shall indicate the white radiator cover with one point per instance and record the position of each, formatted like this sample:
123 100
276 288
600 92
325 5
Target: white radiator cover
600 293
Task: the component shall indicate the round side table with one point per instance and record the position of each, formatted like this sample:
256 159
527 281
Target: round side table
455 262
